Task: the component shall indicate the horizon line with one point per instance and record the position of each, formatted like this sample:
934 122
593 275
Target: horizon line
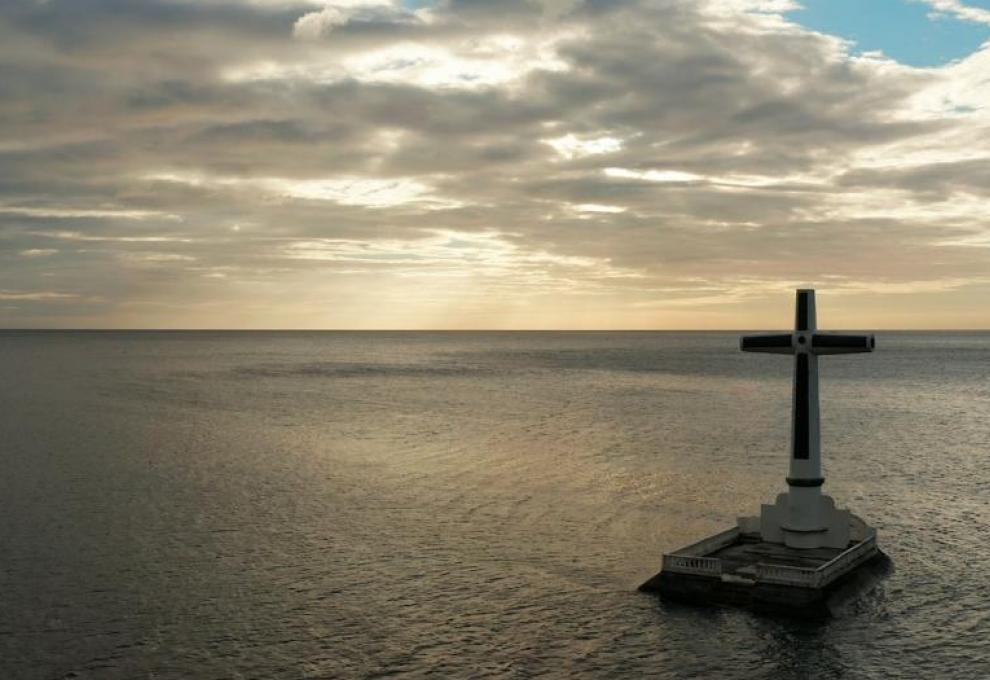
464 330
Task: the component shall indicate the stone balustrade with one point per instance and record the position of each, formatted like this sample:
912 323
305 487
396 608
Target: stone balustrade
847 560
688 564
784 575
692 560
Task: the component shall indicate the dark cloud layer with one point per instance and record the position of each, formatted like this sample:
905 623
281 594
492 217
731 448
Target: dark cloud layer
510 164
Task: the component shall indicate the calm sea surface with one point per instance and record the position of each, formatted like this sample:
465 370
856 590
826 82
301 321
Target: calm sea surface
337 505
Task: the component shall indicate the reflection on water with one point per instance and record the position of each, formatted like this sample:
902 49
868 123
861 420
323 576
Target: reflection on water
465 504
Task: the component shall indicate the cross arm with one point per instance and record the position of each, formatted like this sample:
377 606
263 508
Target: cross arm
777 343
836 343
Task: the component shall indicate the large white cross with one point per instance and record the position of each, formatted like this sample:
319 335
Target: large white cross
806 343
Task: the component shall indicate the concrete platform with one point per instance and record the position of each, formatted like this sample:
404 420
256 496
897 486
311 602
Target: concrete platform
741 569
742 556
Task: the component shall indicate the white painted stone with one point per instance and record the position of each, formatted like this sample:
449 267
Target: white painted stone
827 526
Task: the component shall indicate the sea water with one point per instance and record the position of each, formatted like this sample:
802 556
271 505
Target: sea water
463 505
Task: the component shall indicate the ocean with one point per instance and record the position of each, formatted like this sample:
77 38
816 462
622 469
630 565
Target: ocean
467 505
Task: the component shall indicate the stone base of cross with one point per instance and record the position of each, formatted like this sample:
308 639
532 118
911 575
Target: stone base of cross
804 517
811 521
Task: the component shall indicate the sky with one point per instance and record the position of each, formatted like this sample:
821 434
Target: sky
483 164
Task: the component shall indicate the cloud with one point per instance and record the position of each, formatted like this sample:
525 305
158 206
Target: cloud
77 213
35 296
570 146
370 192
654 175
598 208
78 236
322 22
959 10
524 163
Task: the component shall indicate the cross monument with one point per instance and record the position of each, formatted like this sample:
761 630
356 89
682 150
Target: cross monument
803 517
